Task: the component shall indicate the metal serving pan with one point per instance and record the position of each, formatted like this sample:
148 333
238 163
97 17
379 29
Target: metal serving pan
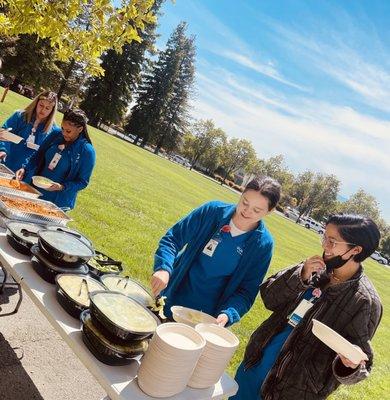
29 216
25 190
5 171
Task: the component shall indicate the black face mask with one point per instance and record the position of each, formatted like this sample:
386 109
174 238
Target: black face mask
335 262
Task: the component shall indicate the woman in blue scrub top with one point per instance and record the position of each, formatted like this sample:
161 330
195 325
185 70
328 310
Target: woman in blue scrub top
33 124
66 157
215 258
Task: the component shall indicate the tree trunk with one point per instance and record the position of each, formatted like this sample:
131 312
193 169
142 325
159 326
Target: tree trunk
144 141
159 145
65 79
224 178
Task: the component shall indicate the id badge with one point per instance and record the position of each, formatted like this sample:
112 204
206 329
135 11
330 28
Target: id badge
303 307
54 161
210 247
30 139
33 146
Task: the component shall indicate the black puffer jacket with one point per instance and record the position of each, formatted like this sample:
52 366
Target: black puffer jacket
307 369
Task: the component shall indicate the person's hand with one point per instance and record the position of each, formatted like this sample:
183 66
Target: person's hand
19 174
55 187
159 281
348 363
3 155
311 266
222 319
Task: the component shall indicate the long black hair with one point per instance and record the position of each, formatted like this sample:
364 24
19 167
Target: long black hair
78 118
359 230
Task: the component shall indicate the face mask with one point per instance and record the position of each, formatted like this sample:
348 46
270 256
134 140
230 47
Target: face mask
335 262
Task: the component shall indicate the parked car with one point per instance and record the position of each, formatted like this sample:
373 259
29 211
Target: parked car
310 223
291 213
181 160
378 257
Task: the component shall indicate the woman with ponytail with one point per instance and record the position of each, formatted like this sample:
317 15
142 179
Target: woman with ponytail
66 157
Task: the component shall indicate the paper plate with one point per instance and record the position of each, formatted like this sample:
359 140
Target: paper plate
11 137
337 343
42 182
191 317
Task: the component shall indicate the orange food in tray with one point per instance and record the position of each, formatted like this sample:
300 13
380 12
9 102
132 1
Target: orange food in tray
29 206
15 184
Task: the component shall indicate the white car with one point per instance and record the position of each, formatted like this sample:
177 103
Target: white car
181 160
378 257
291 213
310 223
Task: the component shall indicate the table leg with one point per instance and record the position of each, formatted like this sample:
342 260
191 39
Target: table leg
10 284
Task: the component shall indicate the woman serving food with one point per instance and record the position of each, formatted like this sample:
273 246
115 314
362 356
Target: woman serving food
63 163
214 259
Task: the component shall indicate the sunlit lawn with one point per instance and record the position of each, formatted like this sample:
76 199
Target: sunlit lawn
134 196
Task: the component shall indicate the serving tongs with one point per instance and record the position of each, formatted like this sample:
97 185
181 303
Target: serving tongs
25 232
83 282
108 262
127 278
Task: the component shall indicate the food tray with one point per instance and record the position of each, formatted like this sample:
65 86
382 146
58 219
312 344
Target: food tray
29 192
5 171
15 214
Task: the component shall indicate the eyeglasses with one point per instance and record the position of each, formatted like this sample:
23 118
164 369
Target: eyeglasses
331 243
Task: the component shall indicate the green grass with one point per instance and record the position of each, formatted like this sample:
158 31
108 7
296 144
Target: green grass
134 196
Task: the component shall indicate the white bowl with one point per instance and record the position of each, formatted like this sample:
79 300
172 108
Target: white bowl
191 317
337 343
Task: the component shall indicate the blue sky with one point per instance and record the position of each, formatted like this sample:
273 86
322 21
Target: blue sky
306 79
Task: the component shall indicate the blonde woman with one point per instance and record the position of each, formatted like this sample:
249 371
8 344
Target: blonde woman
33 124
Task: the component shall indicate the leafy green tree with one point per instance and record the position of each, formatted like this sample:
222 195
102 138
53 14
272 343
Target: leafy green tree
316 194
205 138
365 204
362 203
108 27
385 245
32 61
237 155
275 168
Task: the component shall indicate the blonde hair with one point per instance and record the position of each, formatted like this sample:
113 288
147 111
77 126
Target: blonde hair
30 110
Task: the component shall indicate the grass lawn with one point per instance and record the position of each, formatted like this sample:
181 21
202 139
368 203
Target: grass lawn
134 196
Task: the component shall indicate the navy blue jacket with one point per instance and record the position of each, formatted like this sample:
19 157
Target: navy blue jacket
182 244
82 162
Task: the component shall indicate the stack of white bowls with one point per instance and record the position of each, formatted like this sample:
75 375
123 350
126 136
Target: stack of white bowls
220 347
170 360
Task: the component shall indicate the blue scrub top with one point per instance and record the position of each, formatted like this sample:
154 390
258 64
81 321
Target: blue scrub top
17 154
251 380
203 285
59 173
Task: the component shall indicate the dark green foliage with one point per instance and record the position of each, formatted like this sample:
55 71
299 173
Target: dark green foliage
108 97
160 115
31 61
